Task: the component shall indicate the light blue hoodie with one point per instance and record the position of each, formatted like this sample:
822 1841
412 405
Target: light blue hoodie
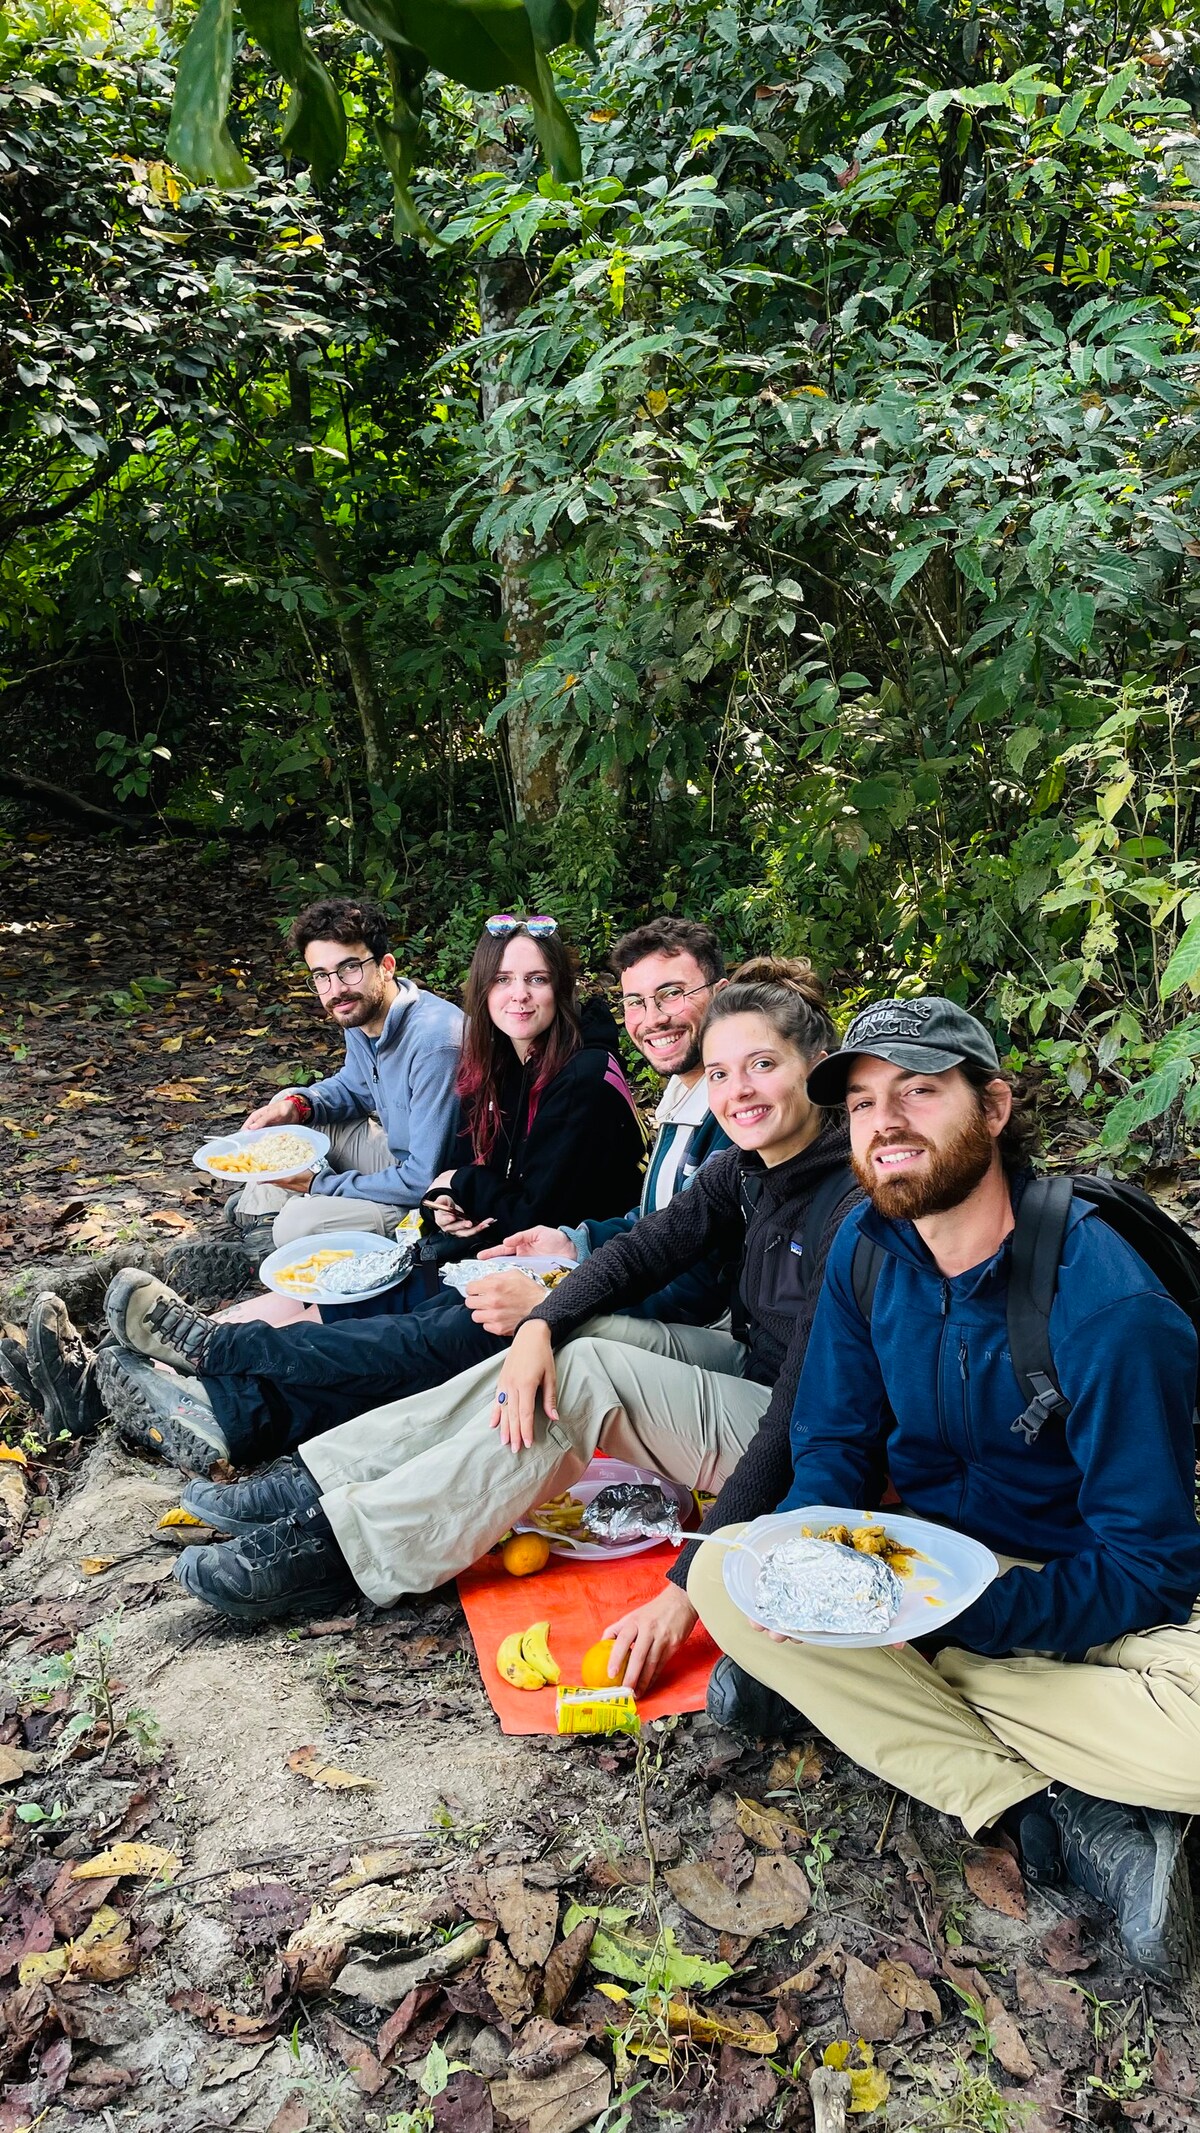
406 1077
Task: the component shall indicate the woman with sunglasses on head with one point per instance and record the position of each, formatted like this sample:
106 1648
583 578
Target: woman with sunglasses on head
549 1132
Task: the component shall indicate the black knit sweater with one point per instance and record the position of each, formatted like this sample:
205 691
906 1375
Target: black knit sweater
748 1214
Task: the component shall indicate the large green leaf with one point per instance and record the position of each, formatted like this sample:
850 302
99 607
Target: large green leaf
1184 966
397 137
560 142
556 22
485 44
199 141
1145 1102
315 126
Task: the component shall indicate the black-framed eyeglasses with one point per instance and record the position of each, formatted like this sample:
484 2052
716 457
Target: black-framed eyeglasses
666 997
502 923
347 973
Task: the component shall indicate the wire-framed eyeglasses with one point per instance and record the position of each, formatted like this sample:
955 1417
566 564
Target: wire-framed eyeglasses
666 997
348 973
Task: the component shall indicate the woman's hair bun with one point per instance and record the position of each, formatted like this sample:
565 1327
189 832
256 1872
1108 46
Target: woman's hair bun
793 972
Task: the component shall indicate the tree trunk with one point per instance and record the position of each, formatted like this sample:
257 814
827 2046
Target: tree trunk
504 288
346 615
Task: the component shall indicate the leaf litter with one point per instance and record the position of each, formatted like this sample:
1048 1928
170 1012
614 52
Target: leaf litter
782 1917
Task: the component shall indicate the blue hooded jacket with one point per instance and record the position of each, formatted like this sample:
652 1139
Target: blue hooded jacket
926 1395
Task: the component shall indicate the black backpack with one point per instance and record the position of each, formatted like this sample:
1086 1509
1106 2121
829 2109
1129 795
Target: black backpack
1037 1242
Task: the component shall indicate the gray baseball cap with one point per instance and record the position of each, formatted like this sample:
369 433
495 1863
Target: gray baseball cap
927 1036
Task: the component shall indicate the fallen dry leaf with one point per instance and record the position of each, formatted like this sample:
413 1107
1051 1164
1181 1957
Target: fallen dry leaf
743 2090
14 1452
225 2021
768 1826
797 1766
776 1896
563 1969
309 1763
745 2031
1007 2042
373 1866
1066 1947
178 1517
291 2117
870 2009
175 1092
507 1984
995 1878
129 1859
1038 1994
93 1566
560 2102
464 2105
356 2056
527 1917
829 1960
17 1763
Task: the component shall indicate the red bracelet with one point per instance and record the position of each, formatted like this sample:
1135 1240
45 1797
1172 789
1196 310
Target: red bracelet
304 1109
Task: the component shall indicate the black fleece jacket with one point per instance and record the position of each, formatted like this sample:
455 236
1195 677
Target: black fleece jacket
747 1213
581 1155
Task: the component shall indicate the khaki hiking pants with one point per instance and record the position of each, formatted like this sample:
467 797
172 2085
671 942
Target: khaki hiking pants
972 1735
361 1146
418 1490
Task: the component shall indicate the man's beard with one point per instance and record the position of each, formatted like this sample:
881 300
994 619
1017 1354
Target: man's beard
692 1058
952 1171
367 1005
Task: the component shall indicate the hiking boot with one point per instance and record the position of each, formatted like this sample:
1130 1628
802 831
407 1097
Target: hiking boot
208 1275
62 1369
159 1412
284 1487
743 1705
1131 1859
148 1317
1034 1831
14 1369
293 1567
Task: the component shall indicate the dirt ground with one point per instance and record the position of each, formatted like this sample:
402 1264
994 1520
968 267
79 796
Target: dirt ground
146 1003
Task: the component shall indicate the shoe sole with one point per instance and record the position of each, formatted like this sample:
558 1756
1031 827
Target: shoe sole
314 1602
223 1272
61 1409
138 1423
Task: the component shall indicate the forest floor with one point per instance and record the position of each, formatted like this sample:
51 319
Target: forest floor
235 1964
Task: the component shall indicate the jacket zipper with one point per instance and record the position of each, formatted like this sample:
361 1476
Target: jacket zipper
943 1428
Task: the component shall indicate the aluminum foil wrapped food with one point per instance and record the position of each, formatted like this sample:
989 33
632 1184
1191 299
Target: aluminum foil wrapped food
633 1511
815 1587
367 1270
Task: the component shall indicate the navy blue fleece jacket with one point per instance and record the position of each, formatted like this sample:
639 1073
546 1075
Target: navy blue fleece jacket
926 1394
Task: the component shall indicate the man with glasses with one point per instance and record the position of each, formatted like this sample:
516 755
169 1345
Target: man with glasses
390 1110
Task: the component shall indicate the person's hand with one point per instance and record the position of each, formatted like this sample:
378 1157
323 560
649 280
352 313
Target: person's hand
302 1182
278 1111
450 1218
527 1373
540 1243
650 1635
500 1303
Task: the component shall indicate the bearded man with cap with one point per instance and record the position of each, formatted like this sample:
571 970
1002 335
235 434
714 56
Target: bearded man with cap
1064 1704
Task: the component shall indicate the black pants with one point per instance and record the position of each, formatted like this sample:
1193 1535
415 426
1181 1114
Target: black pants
273 1387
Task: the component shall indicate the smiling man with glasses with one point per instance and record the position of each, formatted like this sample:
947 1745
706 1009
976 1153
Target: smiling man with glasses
390 1110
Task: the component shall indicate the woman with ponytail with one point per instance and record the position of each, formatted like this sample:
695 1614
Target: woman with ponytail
400 1499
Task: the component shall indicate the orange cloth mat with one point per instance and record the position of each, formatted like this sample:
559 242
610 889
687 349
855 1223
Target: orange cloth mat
580 1600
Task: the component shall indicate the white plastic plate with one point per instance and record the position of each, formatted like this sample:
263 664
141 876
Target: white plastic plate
358 1241
233 1144
951 1573
457 1276
602 1474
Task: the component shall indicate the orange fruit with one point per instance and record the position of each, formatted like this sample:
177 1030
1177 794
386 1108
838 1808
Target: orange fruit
523 1553
593 1669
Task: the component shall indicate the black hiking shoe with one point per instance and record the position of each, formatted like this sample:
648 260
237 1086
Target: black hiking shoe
145 1315
62 1369
743 1705
293 1567
1131 1859
209 1275
280 1490
159 1412
14 1369
1034 1831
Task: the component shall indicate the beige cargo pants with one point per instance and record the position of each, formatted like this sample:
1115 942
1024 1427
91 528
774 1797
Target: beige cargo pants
417 1490
971 1735
360 1146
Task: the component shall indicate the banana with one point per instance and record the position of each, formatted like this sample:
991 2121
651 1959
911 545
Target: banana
512 1667
535 1651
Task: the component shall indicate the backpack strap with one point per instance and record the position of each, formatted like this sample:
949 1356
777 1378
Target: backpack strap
865 1269
1034 1256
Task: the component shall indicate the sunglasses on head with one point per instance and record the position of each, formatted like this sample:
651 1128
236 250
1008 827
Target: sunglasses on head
502 923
